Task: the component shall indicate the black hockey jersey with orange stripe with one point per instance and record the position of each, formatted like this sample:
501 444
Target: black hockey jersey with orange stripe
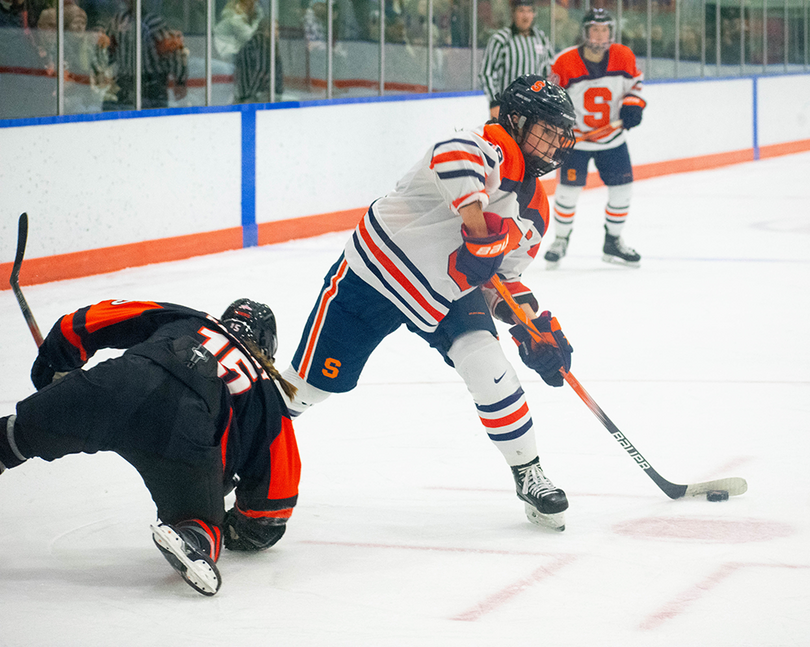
257 438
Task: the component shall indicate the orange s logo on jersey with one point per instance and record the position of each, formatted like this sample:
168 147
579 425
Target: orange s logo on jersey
539 85
572 175
331 367
597 103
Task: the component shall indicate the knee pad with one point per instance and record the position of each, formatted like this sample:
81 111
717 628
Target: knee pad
479 360
305 396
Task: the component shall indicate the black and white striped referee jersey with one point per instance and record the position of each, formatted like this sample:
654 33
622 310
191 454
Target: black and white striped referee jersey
509 54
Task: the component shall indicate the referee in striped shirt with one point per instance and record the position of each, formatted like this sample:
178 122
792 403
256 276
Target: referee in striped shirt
514 51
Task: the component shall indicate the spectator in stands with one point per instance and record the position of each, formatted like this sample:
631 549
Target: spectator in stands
13 14
237 24
251 72
78 51
164 57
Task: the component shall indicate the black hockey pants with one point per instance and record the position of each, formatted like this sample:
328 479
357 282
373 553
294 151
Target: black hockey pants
146 412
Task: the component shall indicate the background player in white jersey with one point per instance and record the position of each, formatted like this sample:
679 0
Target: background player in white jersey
418 258
605 85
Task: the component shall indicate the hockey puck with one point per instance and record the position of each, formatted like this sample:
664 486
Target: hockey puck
717 495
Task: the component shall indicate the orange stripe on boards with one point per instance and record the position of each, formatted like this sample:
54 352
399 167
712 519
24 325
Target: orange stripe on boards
111 259
657 169
280 231
788 148
396 274
75 265
315 332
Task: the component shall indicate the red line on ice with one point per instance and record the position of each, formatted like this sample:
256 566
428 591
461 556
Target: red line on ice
679 604
506 594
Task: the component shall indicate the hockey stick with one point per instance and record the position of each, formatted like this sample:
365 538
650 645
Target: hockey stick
734 485
14 280
600 132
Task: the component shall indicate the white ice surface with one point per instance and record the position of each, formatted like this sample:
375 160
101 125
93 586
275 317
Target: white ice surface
408 531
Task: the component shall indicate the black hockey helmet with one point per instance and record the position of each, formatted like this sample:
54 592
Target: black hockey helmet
531 99
252 321
598 16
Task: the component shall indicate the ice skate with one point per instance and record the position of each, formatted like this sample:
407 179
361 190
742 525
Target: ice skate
556 251
187 552
615 251
545 503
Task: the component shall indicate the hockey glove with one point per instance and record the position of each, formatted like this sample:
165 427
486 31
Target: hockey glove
500 309
631 110
479 258
548 355
245 533
42 373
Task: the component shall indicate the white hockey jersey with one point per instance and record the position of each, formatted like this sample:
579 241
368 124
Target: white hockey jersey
405 246
598 92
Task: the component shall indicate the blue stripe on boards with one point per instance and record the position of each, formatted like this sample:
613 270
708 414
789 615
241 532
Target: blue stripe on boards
250 230
114 116
490 408
756 117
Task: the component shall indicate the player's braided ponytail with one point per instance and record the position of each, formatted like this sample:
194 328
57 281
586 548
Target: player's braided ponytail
270 367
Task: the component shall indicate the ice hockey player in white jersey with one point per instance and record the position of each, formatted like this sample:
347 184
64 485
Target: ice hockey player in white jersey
604 83
422 256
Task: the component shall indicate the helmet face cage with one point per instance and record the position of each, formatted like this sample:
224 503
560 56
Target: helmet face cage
598 17
252 321
531 100
552 138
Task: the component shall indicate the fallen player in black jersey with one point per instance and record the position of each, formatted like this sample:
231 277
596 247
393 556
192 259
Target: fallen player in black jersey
193 403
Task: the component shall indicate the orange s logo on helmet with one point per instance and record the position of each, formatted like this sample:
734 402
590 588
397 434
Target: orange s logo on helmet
539 85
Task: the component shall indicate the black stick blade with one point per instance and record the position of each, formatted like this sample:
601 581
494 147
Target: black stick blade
22 240
14 280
